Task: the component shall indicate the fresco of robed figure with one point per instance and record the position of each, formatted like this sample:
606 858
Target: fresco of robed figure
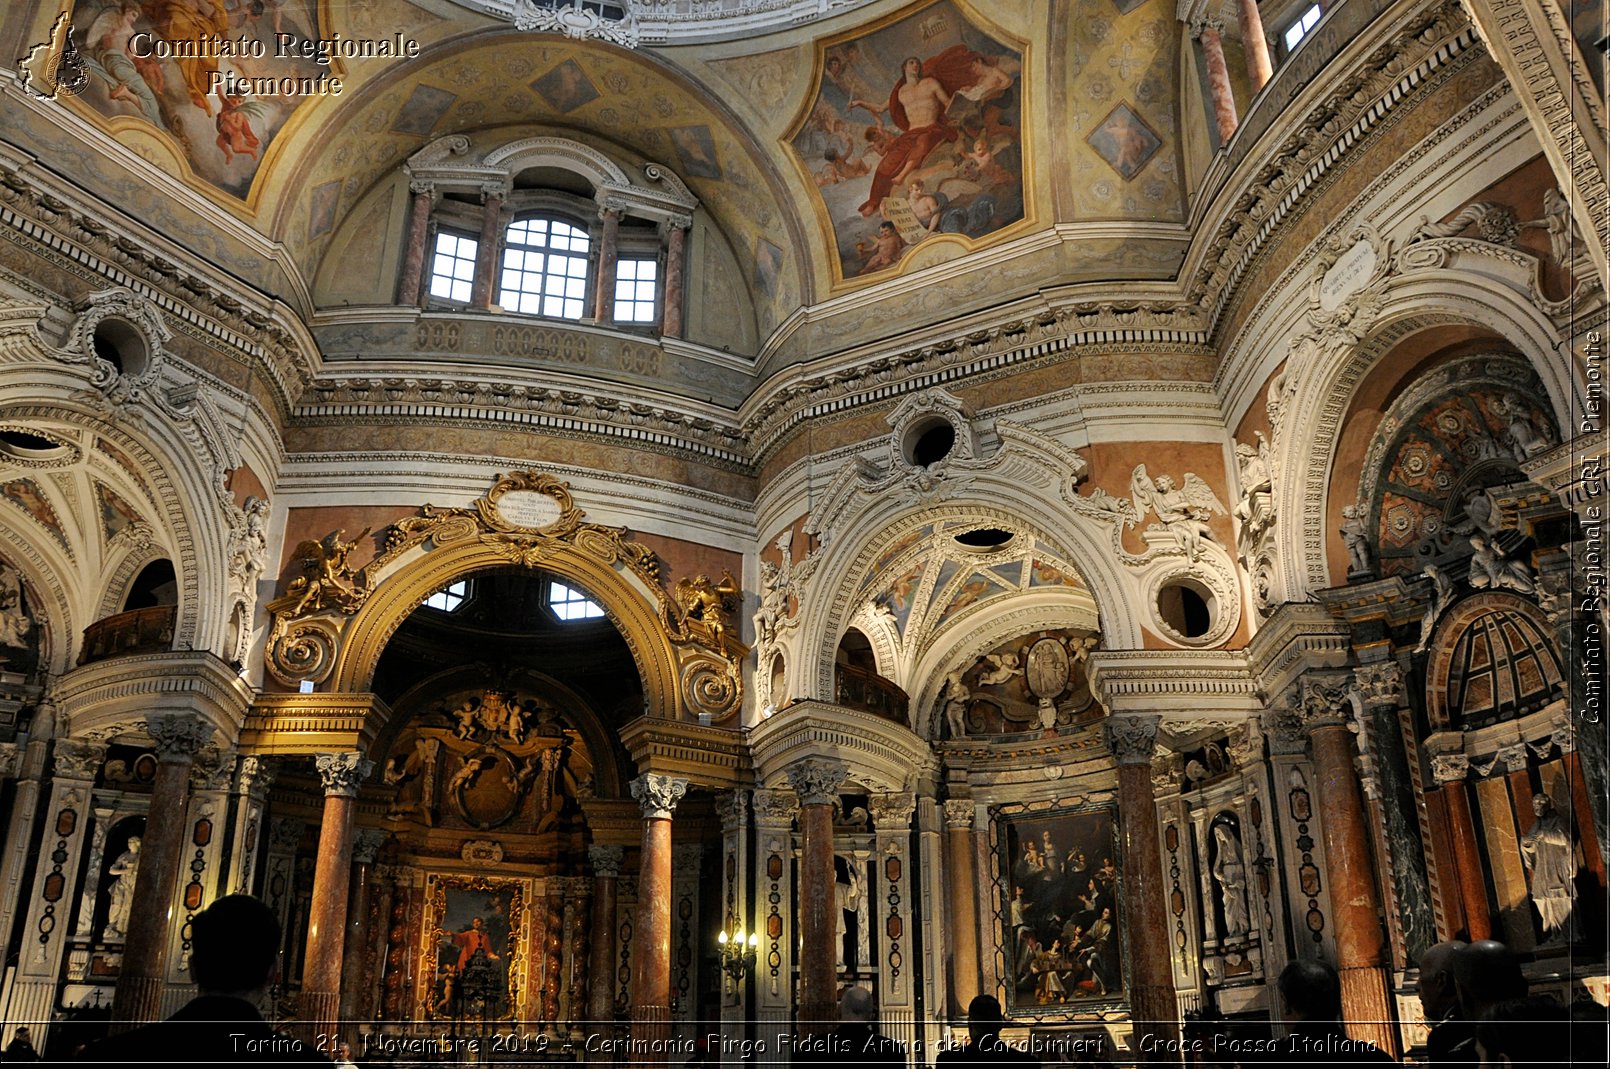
915 131
223 136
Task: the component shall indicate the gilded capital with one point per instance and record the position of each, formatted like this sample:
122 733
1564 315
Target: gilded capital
343 773
658 795
817 779
177 736
1132 738
605 860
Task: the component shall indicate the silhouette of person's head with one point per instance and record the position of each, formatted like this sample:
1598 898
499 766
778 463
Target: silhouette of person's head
1534 1031
234 947
985 1020
1487 973
1438 994
1310 992
855 1006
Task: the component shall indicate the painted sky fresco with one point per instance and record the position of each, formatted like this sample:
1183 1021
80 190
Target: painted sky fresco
915 131
223 136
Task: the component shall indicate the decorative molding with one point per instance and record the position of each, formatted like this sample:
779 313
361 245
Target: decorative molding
482 852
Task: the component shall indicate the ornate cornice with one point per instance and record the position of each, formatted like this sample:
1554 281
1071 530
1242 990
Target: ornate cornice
658 795
343 773
1168 682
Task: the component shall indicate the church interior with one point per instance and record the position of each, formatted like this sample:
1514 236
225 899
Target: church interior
621 519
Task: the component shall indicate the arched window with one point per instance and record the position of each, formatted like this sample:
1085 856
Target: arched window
545 268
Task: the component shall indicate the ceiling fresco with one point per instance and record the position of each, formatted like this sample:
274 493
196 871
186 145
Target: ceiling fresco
914 133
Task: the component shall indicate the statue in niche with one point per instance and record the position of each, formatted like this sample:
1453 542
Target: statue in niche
1551 864
1489 568
956 696
123 872
1357 541
1183 511
15 623
850 898
1230 872
1441 597
1525 438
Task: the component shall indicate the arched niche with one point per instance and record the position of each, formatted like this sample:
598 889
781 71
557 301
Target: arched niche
1492 659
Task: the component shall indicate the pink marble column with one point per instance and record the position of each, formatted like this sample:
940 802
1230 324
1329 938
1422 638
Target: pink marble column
608 255
1259 68
1218 75
817 780
675 266
651 937
959 814
366 843
414 252
490 248
1355 900
138 995
1450 771
1145 922
606 862
342 773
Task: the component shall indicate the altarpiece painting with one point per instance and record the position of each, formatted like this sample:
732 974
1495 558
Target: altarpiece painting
474 950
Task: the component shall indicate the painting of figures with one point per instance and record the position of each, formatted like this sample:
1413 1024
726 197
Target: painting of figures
914 131
223 133
473 939
1062 911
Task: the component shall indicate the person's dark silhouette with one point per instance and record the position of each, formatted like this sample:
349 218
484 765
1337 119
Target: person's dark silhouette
984 1023
21 1047
856 1042
234 957
1311 1006
1452 1040
1486 973
1534 1032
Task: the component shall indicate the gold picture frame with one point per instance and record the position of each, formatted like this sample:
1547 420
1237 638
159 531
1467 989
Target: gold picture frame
474 949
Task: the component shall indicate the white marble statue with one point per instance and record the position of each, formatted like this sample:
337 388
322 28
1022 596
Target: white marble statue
1231 873
1551 865
123 871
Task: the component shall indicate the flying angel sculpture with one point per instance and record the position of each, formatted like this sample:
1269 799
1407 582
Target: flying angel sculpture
1183 511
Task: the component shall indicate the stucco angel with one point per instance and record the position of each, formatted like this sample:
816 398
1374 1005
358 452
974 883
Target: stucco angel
1184 511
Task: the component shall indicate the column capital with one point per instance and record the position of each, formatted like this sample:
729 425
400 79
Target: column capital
679 222
177 736
77 759
212 770
959 813
1379 684
817 779
605 860
1449 768
1324 703
891 812
285 834
658 795
1513 757
343 773
1206 24
1132 738
255 775
609 209
494 191
775 808
417 186
731 807
366 844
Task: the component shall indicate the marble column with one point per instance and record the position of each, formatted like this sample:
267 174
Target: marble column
816 780
1208 31
651 937
1355 900
138 995
343 774
253 777
963 903
415 252
608 256
676 255
1145 923
1256 45
606 863
489 251
1450 772
366 844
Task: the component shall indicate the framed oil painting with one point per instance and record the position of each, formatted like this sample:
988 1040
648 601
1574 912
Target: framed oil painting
474 952
1062 909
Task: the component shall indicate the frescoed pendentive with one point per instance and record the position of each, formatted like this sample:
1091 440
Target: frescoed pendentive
914 132
222 130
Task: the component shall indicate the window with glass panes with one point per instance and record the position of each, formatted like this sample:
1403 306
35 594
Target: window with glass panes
452 268
1299 27
545 269
635 283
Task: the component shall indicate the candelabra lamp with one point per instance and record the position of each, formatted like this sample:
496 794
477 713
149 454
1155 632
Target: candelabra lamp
737 951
